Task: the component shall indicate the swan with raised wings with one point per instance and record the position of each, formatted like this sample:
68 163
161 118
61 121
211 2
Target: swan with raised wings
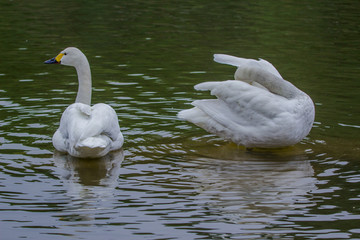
85 131
257 109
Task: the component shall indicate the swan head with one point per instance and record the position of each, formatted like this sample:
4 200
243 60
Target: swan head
70 56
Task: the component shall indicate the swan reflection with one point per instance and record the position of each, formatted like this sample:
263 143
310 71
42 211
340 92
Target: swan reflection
88 178
254 187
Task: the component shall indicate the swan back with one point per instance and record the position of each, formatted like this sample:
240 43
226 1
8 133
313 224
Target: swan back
88 131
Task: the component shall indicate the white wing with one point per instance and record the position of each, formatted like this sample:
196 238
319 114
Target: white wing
244 62
257 109
245 114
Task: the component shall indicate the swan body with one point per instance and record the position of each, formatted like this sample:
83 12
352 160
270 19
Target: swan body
257 109
85 131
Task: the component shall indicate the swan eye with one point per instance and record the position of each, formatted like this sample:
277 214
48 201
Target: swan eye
65 53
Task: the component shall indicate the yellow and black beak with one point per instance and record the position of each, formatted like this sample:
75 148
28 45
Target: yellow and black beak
55 60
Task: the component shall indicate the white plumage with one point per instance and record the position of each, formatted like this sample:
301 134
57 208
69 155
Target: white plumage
257 109
85 131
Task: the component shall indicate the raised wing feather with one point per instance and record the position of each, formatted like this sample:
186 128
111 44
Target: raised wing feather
251 105
237 62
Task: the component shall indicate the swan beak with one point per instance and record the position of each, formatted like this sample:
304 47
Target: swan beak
51 61
55 60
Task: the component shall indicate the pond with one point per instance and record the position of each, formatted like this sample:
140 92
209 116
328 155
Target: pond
171 179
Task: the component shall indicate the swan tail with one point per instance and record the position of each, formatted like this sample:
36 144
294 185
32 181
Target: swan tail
230 60
198 117
189 114
92 147
211 119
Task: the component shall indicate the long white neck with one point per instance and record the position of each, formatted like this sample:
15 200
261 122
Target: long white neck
84 76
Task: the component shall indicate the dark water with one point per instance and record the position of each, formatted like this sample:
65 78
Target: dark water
173 180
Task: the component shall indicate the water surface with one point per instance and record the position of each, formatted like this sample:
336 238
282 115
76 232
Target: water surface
172 180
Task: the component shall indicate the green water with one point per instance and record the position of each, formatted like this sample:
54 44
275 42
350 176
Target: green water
173 180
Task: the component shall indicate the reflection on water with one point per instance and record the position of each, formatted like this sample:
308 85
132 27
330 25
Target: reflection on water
87 172
255 192
87 181
256 189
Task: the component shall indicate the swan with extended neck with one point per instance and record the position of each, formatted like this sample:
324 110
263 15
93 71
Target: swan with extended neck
85 131
257 109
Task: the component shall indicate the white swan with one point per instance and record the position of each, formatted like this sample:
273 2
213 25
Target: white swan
257 109
85 131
